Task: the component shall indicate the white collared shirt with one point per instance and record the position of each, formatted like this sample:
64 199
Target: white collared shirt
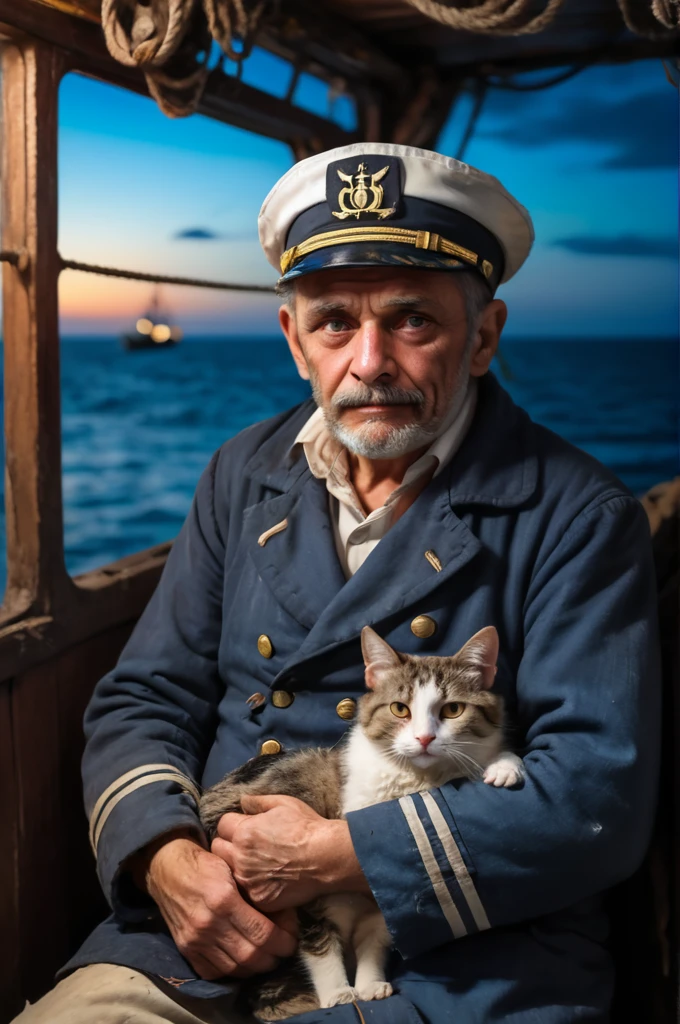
356 534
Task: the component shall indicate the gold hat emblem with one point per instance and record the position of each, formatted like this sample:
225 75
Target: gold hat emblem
362 194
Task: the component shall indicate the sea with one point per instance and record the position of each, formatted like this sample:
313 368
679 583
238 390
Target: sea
139 427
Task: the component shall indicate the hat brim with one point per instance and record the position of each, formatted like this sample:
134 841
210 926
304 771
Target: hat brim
375 254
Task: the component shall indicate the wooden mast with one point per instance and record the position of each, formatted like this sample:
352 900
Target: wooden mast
36 573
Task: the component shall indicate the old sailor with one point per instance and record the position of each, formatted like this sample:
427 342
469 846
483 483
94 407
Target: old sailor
411 494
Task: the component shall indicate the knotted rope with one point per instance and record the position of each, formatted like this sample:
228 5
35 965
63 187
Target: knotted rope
650 19
491 17
170 41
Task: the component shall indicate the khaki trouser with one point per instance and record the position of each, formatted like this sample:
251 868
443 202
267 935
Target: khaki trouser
107 994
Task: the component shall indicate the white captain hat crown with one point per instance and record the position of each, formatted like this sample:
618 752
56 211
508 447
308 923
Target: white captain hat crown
378 204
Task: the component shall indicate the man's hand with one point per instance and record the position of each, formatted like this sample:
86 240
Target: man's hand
283 854
213 926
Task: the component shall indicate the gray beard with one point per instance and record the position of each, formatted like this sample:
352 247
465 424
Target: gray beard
396 441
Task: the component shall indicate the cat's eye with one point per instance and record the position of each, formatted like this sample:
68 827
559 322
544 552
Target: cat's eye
400 710
453 710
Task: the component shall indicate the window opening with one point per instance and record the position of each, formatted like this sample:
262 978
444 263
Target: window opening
179 198
591 343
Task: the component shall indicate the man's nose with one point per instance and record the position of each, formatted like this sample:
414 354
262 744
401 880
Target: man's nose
372 359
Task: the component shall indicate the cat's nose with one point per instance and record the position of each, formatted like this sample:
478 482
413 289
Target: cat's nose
424 741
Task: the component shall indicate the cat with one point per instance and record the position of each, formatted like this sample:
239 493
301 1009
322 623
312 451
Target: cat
422 722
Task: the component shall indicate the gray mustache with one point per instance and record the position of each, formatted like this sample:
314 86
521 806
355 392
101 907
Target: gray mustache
379 394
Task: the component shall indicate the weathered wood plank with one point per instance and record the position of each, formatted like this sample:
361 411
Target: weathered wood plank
35 569
49 897
43 900
77 672
10 988
95 602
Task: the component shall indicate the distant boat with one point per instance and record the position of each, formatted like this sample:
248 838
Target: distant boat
153 330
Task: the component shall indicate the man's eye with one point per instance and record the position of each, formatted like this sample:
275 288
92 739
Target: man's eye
335 326
415 321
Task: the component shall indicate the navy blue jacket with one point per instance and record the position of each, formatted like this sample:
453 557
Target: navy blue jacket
493 897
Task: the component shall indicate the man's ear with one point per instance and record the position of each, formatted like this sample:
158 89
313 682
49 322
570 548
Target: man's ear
487 337
481 654
289 327
379 657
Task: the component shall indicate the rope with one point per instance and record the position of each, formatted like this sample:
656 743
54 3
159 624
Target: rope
170 41
228 19
650 19
492 17
138 275
140 36
667 12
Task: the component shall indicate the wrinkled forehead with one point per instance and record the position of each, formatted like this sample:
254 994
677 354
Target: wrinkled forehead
381 287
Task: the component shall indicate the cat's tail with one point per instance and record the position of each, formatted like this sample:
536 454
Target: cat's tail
283 993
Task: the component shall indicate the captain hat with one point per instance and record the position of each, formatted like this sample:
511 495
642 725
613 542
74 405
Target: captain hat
379 204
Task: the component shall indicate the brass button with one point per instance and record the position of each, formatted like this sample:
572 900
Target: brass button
423 626
265 646
347 708
282 699
256 700
270 747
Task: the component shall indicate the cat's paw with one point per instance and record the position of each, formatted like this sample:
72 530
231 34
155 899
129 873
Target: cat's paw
506 771
375 990
339 996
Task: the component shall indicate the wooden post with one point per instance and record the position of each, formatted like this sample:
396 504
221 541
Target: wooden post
31 72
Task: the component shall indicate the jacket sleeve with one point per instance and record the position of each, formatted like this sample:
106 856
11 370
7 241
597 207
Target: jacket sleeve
151 720
466 856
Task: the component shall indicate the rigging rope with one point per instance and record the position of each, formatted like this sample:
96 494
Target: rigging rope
491 17
170 40
650 19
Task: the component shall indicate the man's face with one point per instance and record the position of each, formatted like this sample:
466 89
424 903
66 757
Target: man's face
387 352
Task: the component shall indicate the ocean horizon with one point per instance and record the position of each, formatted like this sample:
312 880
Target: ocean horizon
138 428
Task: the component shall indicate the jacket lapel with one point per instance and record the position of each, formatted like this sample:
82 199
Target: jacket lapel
496 466
397 574
300 563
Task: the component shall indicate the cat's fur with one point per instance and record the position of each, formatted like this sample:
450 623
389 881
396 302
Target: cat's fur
401 743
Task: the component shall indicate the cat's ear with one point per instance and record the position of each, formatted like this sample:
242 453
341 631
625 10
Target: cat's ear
481 653
378 656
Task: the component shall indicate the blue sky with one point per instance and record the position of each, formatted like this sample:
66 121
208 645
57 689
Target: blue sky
595 160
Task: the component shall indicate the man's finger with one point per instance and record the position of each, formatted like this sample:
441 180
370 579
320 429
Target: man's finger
262 931
258 804
227 825
248 957
287 919
221 848
219 964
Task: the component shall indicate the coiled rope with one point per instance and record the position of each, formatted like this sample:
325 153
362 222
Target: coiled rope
650 19
491 17
170 40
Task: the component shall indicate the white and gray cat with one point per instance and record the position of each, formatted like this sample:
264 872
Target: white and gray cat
422 722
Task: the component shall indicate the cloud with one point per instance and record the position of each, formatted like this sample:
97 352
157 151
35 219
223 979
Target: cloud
620 245
641 129
197 234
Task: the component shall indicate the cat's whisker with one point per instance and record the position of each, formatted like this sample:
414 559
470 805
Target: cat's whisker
464 759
